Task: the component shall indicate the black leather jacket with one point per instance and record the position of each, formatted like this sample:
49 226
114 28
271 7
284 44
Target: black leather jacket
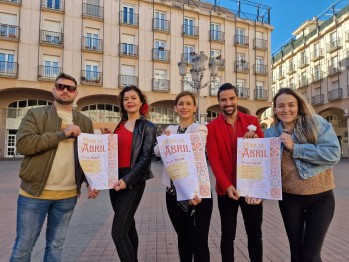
143 141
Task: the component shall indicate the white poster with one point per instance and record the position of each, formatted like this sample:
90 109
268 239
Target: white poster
98 156
184 159
259 168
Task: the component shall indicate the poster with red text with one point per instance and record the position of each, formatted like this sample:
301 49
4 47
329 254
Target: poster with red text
98 157
184 159
259 168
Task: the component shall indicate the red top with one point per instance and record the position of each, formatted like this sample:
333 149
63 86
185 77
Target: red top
221 147
124 143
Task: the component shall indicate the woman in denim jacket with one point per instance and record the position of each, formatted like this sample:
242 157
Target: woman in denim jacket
309 150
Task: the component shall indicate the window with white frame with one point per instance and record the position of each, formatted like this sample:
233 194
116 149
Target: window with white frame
128 75
259 89
128 44
92 70
8 24
51 32
187 50
7 61
159 51
160 79
189 26
240 85
215 31
54 4
160 20
51 66
129 14
215 86
215 53
240 36
92 40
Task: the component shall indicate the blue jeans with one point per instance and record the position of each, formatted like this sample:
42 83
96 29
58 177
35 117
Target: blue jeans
31 214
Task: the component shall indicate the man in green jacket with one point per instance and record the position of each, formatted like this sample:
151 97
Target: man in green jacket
50 172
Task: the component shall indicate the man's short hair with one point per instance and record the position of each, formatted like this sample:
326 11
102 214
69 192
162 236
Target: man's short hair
66 76
227 86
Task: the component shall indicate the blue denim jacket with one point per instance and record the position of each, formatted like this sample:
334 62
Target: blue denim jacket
312 159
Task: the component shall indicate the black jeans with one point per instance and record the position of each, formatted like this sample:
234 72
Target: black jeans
253 218
306 220
192 238
125 203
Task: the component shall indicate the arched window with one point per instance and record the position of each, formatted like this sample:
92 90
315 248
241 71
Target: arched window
333 120
163 115
102 112
19 108
211 115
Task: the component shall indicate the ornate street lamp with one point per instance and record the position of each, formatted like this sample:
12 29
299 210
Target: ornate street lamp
197 73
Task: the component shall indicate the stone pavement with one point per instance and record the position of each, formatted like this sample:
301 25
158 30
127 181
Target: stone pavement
88 237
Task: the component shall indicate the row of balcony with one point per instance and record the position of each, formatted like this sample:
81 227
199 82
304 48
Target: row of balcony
49 73
10 69
332 70
11 32
333 95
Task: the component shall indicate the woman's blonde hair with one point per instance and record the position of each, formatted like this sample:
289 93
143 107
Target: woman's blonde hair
306 126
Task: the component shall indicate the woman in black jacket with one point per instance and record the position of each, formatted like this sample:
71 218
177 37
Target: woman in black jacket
136 139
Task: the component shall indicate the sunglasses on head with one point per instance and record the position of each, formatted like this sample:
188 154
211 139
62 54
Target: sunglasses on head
61 87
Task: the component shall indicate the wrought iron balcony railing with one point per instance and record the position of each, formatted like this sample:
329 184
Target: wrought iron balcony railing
241 66
51 38
260 44
334 95
161 85
161 55
190 30
129 50
317 100
91 77
260 94
9 32
128 18
48 72
217 36
161 25
8 69
93 11
92 44
241 40
127 80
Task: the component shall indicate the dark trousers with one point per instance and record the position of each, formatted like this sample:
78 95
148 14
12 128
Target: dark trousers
191 228
125 203
253 217
306 220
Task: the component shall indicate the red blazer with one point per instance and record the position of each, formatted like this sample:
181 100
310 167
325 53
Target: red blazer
222 148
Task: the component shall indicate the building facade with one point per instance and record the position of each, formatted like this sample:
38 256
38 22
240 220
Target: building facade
315 62
107 45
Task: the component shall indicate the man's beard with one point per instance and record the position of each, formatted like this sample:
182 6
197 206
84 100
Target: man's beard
229 113
63 101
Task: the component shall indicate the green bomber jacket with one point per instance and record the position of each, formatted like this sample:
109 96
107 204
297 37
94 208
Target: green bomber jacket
37 139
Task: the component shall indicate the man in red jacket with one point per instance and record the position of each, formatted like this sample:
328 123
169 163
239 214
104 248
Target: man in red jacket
222 154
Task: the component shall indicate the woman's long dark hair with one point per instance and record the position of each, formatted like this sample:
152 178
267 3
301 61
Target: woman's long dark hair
306 127
142 97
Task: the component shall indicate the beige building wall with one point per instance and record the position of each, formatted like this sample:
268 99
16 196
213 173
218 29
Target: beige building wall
105 50
316 64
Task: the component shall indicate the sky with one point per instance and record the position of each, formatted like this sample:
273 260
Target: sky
287 15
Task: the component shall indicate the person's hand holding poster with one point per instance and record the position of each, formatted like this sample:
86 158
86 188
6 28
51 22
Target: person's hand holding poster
259 168
98 157
184 158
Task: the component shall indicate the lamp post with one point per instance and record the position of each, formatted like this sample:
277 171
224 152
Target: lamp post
197 73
